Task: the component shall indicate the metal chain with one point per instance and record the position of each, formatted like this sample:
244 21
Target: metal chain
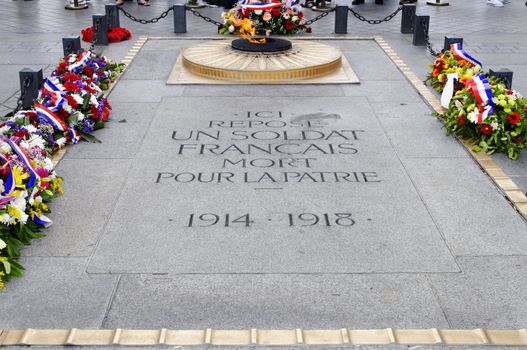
20 101
96 27
207 19
319 17
427 39
146 21
374 21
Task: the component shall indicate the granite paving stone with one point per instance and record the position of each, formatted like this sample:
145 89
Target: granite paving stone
473 215
489 293
56 293
75 232
141 91
266 301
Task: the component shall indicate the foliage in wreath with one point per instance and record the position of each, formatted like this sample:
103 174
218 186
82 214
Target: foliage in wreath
263 19
495 123
70 106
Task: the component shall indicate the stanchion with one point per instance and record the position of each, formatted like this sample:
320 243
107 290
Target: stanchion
30 82
407 20
76 5
450 41
71 45
112 13
180 18
437 3
421 30
341 19
100 29
504 74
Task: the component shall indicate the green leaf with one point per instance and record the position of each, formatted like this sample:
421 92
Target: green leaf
86 101
90 138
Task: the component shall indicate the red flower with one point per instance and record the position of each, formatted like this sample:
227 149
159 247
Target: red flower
461 119
276 12
300 15
71 101
289 25
94 112
514 118
486 129
23 134
308 30
72 87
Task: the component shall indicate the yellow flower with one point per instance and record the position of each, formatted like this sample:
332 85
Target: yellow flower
20 175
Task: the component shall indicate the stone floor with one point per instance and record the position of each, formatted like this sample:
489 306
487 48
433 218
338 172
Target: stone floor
434 243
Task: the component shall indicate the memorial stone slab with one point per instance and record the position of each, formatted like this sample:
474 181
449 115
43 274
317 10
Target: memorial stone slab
267 185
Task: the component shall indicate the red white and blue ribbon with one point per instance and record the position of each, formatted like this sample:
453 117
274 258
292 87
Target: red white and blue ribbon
448 90
479 87
83 58
246 4
33 176
458 52
50 117
9 185
53 85
42 220
75 136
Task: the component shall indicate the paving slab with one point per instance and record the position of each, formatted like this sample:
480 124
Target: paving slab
267 301
271 193
75 232
55 293
473 216
490 292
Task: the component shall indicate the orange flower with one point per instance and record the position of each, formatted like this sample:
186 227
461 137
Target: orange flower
435 73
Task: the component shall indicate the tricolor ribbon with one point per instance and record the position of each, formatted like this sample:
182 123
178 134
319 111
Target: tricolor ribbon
479 86
260 5
448 90
458 52
9 185
33 176
42 220
50 117
75 136
83 58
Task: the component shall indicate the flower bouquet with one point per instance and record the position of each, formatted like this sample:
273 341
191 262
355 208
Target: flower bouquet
70 106
263 19
446 63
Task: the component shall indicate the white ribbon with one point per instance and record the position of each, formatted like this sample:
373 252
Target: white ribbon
448 90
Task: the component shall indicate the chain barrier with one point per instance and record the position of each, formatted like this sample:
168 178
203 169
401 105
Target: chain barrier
375 21
20 101
96 27
319 17
427 39
146 21
205 18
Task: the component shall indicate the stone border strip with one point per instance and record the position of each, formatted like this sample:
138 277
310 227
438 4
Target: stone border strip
344 336
138 45
510 190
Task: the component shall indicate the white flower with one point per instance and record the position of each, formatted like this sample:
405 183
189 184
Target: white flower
294 18
78 98
494 125
48 164
4 129
473 116
286 16
61 142
93 100
2 244
72 59
5 148
231 28
37 141
258 12
20 204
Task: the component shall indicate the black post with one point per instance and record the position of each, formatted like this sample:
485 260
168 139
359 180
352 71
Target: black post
180 18
420 27
100 29
407 20
341 19
71 45
30 82
504 74
450 41
379 2
112 12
